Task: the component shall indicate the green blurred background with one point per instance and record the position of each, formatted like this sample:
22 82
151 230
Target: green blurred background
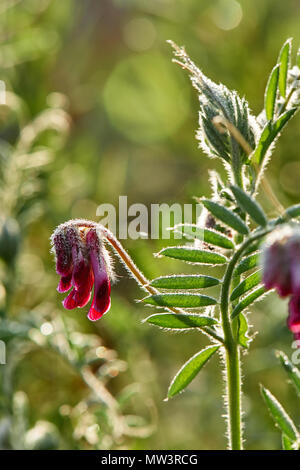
132 132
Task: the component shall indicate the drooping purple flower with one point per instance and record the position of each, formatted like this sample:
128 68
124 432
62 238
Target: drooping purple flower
281 270
294 315
101 299
82 262
276 266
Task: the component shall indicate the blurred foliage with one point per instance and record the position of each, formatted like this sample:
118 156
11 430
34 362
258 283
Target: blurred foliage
95 109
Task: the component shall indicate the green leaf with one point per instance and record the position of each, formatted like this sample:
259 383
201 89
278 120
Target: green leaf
287 444
271 93
190 369
248 300
209 236
280 416
246 285
253 247
269 134
250 206
247 263
284 59
293 372
293 211
226 216
193 281
180 300
193 255
180 321
243 338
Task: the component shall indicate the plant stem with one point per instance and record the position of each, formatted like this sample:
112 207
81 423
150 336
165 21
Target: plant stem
234 397
233 368
142 280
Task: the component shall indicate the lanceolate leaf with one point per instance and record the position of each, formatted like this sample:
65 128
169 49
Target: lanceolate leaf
248 300
190 369
284 59
253 247
226 216
209 236
180 321
269 134
287 444
293 211
281 418
243 338
193 255
293 371
271 92
249 205
180 300
246 285
183 281
247 263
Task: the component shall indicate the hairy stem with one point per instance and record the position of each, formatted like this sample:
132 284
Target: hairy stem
142 280
233 373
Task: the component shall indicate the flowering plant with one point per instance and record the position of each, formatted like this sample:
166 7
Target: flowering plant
258 253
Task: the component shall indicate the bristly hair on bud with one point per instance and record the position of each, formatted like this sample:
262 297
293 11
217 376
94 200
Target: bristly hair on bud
217 100
82 261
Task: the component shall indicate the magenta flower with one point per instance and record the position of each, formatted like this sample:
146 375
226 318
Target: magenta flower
276 272
82 262
281 270
294 315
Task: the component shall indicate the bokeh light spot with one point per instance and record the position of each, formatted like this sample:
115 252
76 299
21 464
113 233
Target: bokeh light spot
289 178
139 34
145 99
227 14
46 329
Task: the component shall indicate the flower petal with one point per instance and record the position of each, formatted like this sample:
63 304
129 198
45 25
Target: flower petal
63 254
294 314
65 283
70 302
101 299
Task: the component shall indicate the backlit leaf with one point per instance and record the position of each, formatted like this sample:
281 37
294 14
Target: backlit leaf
190 369
180 300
